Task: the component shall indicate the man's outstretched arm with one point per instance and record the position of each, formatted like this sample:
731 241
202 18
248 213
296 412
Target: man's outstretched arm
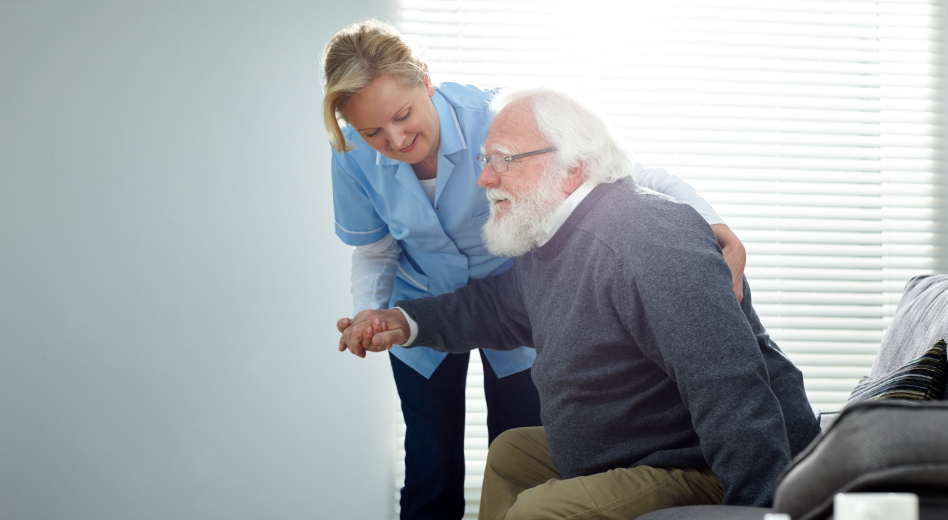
487 313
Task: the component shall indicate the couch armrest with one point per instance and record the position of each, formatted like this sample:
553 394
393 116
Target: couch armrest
872 446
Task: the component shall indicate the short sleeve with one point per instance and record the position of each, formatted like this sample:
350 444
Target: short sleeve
357 222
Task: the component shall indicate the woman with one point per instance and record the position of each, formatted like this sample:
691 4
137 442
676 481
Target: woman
406 196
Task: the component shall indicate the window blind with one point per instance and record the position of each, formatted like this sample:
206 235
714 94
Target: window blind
816 129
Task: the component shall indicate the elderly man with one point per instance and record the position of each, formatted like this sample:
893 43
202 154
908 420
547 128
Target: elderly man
657 387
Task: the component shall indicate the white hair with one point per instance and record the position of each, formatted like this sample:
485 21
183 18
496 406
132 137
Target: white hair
579 134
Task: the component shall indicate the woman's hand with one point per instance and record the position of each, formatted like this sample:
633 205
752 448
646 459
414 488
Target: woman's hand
373 331
734 254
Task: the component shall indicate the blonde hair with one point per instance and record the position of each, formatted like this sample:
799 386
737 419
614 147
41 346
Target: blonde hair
353 58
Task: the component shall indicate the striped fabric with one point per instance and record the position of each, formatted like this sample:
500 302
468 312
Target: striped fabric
920 379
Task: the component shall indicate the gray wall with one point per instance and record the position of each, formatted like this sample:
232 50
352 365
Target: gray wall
169 276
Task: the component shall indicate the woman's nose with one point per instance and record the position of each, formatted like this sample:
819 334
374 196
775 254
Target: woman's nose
398 138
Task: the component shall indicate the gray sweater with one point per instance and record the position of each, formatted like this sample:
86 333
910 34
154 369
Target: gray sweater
644 355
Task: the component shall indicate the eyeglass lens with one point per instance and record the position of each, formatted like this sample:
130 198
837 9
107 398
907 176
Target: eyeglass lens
498 163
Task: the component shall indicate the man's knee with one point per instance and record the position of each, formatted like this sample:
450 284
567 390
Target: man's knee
511 449
503 454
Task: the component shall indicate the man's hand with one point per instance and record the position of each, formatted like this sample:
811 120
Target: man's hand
373 331
734 254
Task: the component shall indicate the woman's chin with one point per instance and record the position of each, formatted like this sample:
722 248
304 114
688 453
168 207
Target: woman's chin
413 156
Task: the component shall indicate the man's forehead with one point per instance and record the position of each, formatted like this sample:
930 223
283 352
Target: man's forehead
513 127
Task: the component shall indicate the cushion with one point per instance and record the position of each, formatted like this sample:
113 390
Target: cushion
920 320
873 446
919 379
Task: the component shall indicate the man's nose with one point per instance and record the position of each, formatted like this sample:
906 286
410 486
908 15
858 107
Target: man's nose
488 177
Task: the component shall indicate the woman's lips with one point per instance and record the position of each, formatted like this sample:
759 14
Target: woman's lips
410 145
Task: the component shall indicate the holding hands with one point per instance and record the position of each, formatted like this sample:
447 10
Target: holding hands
373 331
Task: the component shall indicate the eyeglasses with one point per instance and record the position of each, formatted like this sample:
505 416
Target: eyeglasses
499 162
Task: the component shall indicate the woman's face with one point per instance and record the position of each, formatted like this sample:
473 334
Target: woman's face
400 123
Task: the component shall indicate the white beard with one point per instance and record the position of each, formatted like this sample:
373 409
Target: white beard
526 218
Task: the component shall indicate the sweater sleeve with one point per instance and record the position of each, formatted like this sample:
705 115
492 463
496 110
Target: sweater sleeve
683 314
487 313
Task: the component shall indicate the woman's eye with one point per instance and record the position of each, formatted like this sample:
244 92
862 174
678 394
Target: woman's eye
373 134
404 117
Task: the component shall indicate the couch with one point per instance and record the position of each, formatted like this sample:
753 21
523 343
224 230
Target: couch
884 445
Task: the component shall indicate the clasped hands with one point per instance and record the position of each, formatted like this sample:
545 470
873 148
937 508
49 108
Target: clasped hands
373 331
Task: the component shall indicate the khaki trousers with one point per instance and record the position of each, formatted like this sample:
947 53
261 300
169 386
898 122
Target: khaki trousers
520 482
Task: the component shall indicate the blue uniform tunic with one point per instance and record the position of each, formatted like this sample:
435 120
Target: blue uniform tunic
441 243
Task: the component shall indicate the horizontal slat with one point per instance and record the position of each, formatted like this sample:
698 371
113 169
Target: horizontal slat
883 144
738 58
778 173
651 43
882 193
831 360
816 384
449 36
851 372
687 121
838 225
556 16
810 334
761 273
823 347
812 199
747 208
545 73
787 152
816 309
899 7
817 262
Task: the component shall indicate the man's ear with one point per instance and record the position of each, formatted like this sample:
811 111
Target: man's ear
577 175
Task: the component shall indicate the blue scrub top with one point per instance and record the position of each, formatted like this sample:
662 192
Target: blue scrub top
441 243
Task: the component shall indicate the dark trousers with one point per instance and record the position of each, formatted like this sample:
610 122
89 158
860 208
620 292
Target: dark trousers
434 436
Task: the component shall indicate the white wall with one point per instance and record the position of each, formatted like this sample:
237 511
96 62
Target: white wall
169 276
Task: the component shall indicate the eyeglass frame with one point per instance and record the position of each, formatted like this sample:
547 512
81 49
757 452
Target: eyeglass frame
484 159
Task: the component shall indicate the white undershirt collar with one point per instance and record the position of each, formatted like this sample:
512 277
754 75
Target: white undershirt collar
563 212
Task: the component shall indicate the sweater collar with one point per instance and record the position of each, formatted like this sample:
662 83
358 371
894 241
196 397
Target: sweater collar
562 234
